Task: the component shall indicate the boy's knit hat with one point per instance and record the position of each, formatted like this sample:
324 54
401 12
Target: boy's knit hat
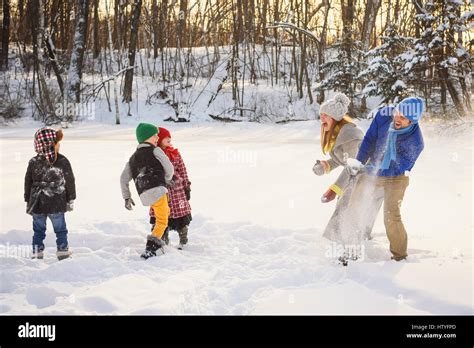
145 131
45 140
162 134
336 107
412 108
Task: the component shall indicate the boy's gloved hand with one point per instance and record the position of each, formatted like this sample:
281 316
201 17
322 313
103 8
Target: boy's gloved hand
187 192
128 203
70 206
328 196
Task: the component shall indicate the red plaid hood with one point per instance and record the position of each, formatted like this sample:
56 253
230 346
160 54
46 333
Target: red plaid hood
45 140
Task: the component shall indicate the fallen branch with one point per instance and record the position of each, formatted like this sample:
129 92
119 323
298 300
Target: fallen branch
108 79
288 26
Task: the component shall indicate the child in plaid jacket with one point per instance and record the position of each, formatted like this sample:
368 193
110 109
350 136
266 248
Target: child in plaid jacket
179 192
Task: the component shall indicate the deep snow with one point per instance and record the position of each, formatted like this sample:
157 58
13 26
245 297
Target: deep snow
255 242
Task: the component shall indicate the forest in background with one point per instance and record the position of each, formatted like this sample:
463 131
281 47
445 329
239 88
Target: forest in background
232 60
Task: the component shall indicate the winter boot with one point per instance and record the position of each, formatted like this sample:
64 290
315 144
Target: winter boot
165 237
153 245
63 254
183 237
37 254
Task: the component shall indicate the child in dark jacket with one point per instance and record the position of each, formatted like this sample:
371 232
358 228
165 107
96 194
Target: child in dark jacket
49 191
179 192
151 171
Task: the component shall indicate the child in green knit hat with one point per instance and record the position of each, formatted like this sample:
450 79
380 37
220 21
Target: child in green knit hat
152 171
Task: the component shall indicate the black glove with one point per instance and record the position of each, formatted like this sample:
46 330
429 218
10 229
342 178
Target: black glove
187 192
128 203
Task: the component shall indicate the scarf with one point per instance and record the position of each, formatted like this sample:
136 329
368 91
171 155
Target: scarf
391 148
171 152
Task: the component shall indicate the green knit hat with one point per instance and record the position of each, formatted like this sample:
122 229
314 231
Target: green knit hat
145 131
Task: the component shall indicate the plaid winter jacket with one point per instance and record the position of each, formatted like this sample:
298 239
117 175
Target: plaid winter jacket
178 203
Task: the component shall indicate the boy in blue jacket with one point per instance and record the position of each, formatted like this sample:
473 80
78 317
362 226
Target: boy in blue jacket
388 152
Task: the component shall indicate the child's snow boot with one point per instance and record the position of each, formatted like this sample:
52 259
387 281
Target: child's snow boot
37 254
165 237
183 237
153 245
63 254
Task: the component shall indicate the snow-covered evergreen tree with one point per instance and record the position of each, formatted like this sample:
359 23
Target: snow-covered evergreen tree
384 75
340 71
439 51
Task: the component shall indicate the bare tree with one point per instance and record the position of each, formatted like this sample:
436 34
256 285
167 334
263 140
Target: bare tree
96 30
74 76
127 89
112 59
5 35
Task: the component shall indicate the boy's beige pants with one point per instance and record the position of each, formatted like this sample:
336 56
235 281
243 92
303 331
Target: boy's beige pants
368 194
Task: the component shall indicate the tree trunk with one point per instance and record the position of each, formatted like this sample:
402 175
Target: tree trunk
127 89
368 25
163 22
74 77
347 9
111 48
44 104
54 61
321 50
5 35
183 15
154 22
371 9
96 30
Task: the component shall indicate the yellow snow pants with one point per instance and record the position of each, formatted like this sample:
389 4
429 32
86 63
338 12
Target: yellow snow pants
162 212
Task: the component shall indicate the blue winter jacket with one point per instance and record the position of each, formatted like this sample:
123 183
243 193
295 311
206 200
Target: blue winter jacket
372 148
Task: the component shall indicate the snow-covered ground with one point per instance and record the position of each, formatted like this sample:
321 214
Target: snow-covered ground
255 242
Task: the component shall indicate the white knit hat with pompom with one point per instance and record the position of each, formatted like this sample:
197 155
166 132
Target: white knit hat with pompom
336 107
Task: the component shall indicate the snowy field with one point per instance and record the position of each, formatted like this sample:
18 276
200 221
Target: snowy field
255 242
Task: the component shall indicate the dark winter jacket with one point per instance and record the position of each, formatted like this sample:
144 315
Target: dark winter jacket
373 147
147 172
48 188
151 170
